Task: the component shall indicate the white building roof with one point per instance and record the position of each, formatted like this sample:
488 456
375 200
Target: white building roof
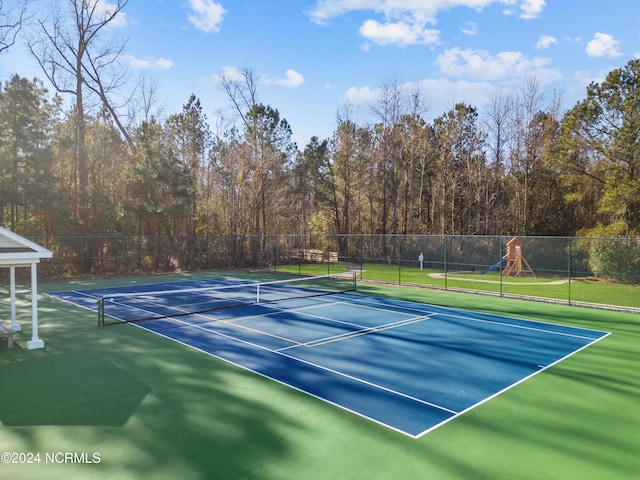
16 250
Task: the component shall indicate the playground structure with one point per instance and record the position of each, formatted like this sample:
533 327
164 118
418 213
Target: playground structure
515 263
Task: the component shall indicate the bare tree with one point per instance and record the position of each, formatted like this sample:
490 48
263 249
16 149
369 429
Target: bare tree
73 53
146 104
415 156
498 126
497 113
11 21
242 92
267 138
523 155
388 110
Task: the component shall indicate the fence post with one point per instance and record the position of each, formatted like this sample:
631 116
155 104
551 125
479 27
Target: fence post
361 256
81 257
399 254
301 254
569 269
500 267
444 242
326 257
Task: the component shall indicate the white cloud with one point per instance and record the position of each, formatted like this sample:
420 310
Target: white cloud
292 79
325 10
230 73
603 45
105 9
149 63
480 65
545 41
207 15
360 96
442 94
470 28
584 78
531 8
405 21
399 33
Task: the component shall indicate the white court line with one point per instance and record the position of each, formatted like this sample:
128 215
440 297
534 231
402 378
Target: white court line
357 333
321 367
509 387
468 315
522 327
79 292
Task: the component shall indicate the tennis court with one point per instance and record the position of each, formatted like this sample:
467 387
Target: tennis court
405 365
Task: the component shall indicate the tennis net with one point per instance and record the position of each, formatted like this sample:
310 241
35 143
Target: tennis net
148 305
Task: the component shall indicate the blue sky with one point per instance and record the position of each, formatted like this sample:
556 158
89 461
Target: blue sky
313 55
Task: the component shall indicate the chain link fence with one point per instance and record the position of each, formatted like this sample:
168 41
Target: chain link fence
591 271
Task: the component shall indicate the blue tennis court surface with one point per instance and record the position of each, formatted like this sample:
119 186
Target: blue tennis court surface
408 366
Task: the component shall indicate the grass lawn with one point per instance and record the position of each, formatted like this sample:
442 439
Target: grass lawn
152 408
312 268
578 290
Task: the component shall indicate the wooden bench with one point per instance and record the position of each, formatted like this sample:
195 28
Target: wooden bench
6 331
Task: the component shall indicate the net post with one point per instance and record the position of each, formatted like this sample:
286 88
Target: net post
257 293
101 312
354 280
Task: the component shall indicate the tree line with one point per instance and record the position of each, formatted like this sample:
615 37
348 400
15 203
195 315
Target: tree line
516 166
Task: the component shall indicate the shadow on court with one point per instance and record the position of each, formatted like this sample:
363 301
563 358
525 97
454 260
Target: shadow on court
68 389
